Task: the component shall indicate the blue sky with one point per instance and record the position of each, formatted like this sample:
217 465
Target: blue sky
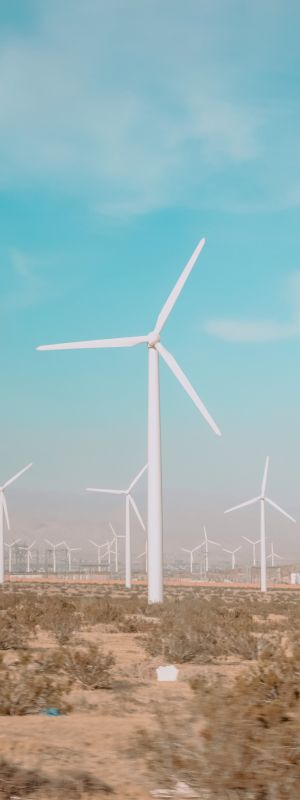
129 130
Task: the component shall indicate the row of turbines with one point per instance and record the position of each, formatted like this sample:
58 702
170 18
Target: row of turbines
156 350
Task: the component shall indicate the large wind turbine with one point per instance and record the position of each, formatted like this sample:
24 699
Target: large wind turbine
129 501
155 349
4 514
262 499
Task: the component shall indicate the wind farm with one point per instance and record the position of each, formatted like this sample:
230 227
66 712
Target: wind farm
149 334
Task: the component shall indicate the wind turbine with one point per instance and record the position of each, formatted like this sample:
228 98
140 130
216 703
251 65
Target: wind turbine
70 550
10 545
54 548
115 543
155 349
27 549
273 555
262 499
191 552
99 548
205 545
129 501
232 553
4 514
253 548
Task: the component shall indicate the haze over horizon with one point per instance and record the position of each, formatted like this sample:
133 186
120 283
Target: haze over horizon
128 132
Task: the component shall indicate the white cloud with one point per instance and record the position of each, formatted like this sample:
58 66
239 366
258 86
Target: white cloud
24 285
142 105
238 330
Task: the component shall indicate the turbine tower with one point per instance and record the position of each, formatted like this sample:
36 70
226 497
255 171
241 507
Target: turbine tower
257 541
4 515
129 501
273 555
28 552
54 547
155 349
191 553
262 500
232 553
10 545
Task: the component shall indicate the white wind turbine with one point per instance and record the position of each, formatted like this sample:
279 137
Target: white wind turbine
191 554
70 550
262 499
28 552
99 548
129 501
232 553
272 555
4 514
54 547
115 552
205 545
10 546
253 543
155 349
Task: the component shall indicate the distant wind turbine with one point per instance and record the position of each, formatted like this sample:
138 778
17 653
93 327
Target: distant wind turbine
4 514
205 545
273 555
115 543
129 501
54 547
155 349
253 548
191 554
10 546
27 549
70 550
232 553
262 499
99 548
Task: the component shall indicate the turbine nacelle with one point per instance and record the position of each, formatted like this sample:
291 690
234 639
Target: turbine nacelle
153 338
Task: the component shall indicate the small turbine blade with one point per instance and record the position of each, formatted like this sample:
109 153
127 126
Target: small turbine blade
173 296
106 491
278 508
5 509
181 377
125 341
265 475
134 506
242 505
14 478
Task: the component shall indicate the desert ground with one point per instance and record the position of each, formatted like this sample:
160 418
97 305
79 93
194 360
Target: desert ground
82 714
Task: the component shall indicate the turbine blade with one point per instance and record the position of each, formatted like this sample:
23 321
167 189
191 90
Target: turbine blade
285 514
185 550
248 540
170 302
265 475
4 504
95 543
137 478
106 491
181 377
14 478
125 341
112 530
242 505
134 506
211 541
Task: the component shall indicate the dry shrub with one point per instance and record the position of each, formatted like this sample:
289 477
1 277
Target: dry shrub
60 617
239 742
86 664
25 689
13 635
18 782
193 630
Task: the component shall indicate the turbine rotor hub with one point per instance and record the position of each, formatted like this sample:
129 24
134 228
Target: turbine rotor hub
153 338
